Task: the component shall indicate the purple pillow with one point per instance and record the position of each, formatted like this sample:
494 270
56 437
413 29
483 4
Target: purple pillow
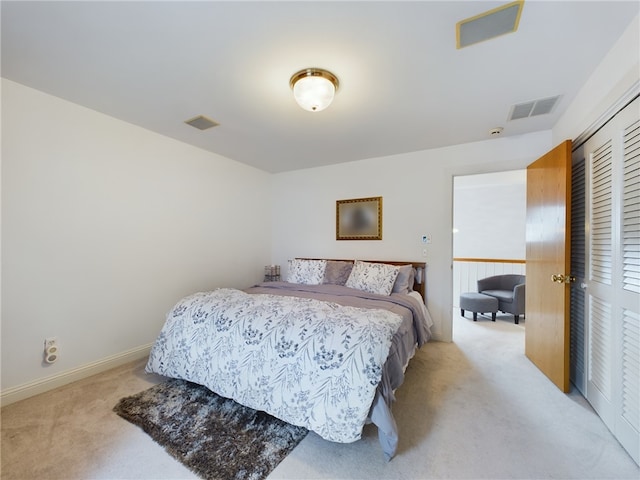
337 272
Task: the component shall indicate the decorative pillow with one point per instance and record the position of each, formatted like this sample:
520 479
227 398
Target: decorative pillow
337 272
372 277
404 282
308 272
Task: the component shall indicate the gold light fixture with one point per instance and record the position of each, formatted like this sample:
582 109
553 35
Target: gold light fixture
314 88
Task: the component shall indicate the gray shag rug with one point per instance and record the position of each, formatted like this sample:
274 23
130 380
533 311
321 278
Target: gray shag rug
214 437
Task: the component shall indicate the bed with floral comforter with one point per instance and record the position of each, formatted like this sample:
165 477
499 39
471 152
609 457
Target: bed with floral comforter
325 357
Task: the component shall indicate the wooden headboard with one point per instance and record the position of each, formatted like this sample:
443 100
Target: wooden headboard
418 287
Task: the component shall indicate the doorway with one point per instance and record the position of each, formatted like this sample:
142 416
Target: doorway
489 229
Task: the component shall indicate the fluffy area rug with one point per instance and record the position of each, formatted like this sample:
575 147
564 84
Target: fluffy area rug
214 437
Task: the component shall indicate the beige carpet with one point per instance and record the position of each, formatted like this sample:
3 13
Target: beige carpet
476 408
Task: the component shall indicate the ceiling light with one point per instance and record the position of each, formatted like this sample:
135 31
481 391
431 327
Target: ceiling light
314 88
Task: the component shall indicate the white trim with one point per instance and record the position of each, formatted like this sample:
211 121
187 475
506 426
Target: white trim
20 392
608 114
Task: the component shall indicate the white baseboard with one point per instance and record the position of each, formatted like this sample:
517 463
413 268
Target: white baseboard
15 394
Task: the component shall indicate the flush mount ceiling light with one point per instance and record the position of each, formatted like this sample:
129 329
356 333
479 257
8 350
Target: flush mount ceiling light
314 88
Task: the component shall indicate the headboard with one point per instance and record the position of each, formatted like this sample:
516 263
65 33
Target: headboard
421 267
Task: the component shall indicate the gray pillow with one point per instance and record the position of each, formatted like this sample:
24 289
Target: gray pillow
337 272
404 281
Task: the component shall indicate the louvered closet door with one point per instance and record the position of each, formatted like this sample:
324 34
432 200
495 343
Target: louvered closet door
613 286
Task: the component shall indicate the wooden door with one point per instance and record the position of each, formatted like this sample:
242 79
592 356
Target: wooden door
548 260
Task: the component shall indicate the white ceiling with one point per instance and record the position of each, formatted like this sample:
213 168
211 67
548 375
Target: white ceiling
403 85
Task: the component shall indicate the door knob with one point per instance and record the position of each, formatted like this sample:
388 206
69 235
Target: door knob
560 278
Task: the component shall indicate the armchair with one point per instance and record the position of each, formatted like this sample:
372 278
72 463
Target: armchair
509 290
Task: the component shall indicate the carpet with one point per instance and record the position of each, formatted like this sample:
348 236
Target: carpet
216 438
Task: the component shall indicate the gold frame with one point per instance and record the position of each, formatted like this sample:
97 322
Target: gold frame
359 219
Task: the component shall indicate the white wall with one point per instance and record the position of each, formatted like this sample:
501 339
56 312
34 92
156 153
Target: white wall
105 226
489 215
417 191
616 76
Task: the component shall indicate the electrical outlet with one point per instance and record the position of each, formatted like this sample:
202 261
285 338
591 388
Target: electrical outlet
51 350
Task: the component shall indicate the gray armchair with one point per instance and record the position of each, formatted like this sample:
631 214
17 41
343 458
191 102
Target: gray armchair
509 290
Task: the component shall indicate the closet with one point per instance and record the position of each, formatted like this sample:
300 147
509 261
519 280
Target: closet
605 299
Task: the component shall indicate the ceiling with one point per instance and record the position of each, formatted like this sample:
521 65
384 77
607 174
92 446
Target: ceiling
403 84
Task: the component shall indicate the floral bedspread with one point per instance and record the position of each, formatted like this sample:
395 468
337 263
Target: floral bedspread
311 363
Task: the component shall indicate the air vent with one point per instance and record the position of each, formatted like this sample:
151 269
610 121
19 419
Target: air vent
493 23
533 108
201 122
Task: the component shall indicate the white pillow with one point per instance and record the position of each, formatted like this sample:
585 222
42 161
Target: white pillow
373 277
308 272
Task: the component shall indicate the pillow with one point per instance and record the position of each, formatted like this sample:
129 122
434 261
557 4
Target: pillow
372 277
337 272
308 272
404 282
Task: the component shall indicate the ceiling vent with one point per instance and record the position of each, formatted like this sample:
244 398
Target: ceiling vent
201 122
533 108
493 23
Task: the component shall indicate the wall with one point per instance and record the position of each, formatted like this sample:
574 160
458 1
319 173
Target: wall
489 215
616 77
105 226
417 191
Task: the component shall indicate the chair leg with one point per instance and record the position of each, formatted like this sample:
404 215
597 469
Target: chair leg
493 316
517 319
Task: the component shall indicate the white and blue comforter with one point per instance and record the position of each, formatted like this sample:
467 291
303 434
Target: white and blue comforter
312 363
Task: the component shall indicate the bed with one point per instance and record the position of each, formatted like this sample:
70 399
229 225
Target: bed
324 350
